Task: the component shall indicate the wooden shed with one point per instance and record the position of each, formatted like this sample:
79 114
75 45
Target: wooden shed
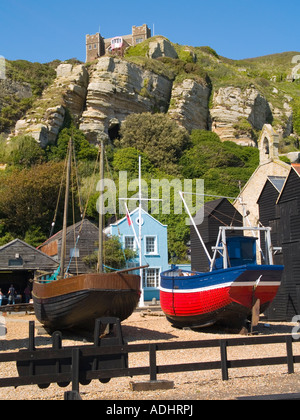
216 213
18 264
82 240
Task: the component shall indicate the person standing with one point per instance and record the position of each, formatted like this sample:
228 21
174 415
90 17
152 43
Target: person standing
1 297
11 295
27 293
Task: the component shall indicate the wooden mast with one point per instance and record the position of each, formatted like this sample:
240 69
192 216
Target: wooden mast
64 232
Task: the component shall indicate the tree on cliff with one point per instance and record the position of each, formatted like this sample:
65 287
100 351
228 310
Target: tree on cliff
157 136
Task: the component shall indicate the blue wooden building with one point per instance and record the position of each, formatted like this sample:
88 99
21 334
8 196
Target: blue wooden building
154 245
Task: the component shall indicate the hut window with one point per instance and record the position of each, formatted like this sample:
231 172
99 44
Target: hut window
16 262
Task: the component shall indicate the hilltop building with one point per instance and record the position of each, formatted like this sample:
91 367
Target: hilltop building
97 46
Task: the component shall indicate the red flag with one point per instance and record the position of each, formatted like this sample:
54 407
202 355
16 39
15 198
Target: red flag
128 218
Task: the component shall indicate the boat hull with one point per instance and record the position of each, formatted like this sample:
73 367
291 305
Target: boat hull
76 302
223 296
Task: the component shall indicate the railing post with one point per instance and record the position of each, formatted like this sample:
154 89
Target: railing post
74 394
75 369
31 345
224 362
289 354
152 360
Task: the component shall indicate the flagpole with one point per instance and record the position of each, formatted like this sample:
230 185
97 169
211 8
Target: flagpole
142 301
139 239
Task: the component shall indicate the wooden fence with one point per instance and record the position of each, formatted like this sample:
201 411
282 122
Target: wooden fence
108 358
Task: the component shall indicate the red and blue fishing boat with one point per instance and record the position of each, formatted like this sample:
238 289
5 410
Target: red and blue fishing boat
236 286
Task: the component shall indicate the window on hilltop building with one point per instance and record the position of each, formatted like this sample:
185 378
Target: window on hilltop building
151 277
95 46
90 47
139 40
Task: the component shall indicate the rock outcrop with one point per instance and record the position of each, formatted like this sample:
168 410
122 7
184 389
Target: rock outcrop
100 99
46 119
189 105
231 105
118 88
161 47
12 88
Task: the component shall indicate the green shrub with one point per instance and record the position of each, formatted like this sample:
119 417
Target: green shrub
21 151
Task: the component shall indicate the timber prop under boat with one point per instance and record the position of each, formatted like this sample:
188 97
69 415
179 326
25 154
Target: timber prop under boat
66 302
235 288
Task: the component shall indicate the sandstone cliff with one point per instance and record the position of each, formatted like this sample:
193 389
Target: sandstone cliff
118 88
167 79
46 118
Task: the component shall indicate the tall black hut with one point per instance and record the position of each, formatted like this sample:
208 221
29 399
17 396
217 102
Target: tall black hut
216 213
283 215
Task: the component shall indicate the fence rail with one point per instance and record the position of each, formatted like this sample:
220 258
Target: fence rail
108 358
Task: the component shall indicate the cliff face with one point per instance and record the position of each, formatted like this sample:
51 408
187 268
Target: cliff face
102 96
118 88
44 121
189 105
233 105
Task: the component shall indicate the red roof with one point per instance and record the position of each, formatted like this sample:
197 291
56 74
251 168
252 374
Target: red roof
296 166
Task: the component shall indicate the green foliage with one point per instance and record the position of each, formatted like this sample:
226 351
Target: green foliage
205 154
210 51
38 75
296 115
178 235
28 198
14 109
83 149
114 256
221 165
157 136
199 136
34 236
243 127
21 151
127 159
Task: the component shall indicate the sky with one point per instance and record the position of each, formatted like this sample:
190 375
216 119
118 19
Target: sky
42 31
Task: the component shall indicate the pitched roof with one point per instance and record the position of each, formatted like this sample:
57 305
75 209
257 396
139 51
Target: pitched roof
132 213
70 229
51 261
296 167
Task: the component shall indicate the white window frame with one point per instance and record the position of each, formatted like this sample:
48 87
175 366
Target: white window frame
131 238
156 277
155 252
